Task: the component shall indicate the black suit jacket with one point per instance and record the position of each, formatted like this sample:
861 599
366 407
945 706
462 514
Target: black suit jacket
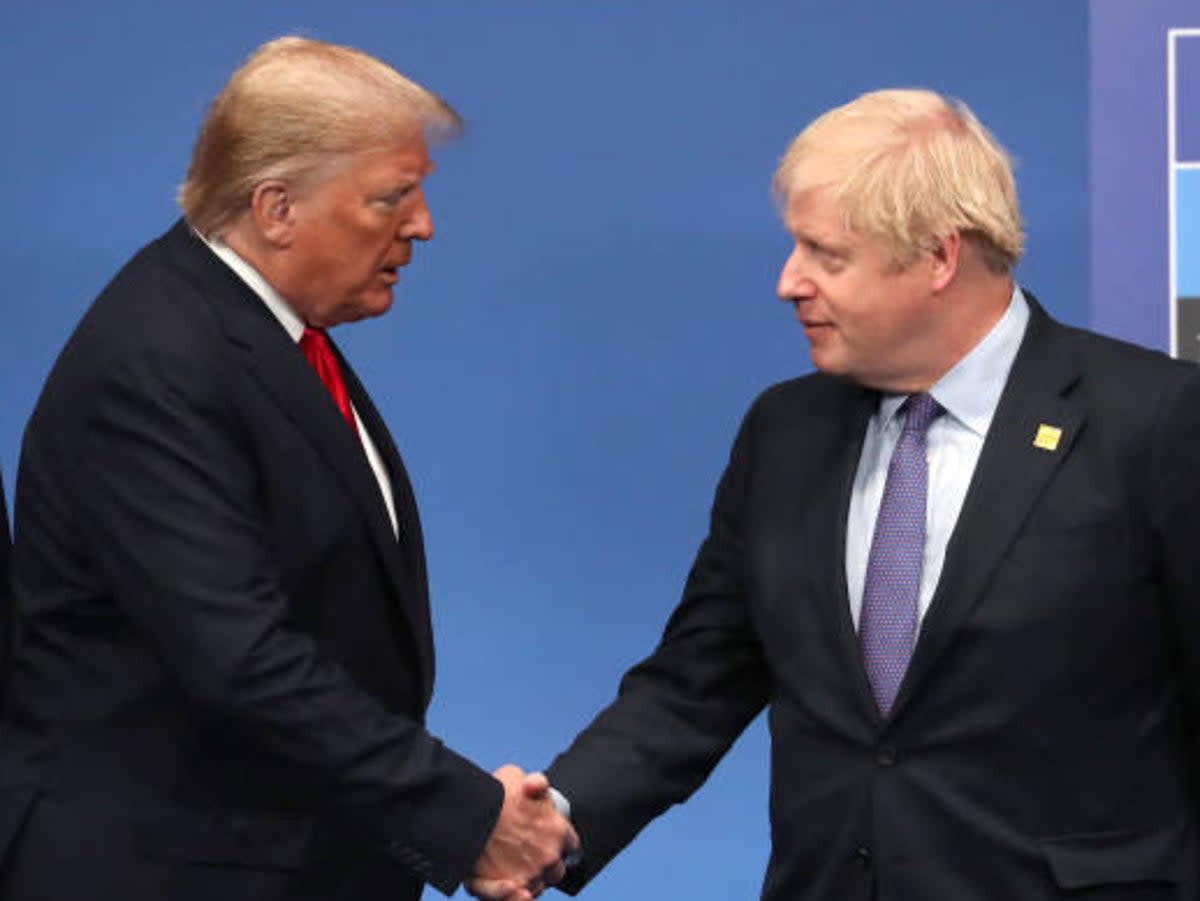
1039 747
225 654
5 588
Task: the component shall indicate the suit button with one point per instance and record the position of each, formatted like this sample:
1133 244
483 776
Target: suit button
862 856
885 755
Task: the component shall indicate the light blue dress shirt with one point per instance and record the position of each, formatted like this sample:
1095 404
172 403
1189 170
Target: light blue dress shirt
969 394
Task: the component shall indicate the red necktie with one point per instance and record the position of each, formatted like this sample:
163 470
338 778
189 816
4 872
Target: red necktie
314 344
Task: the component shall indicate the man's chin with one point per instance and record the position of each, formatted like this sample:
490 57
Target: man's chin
827 362
380 307
368 307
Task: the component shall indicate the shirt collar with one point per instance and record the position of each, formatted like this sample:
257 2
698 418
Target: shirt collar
970 391
279 307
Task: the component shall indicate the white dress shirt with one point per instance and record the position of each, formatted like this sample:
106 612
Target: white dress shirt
969 394
294 326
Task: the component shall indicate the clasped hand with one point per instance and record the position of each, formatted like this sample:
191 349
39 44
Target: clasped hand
526 849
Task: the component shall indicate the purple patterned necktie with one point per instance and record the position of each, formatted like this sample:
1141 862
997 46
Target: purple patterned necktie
888 623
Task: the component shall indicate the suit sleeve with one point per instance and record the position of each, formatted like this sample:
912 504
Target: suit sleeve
678 711
170 514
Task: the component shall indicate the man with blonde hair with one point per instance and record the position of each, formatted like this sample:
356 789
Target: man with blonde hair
958 565
225 651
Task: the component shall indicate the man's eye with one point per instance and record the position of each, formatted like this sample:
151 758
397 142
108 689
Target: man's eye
830 260
394 197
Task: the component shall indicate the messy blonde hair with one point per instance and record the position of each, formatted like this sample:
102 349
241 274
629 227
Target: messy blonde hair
907 166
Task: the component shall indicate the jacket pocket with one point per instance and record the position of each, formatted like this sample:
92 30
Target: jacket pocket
1095 859
228 839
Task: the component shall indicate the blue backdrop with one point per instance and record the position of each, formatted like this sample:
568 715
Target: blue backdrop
569 358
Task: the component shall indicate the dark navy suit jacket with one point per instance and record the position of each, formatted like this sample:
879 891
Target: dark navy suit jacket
225 653
1042 742
5 590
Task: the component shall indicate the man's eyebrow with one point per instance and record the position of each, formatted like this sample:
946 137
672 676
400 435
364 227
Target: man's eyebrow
819 241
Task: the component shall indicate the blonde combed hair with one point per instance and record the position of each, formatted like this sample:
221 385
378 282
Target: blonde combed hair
907 166
293 107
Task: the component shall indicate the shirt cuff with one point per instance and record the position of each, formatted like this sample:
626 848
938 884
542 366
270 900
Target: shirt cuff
563 806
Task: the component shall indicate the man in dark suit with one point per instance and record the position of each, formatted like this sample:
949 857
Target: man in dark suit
225 653
959 565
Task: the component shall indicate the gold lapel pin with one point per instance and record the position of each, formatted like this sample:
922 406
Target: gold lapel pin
1047 437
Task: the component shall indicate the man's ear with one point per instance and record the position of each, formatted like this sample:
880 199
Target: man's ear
944 259
273 212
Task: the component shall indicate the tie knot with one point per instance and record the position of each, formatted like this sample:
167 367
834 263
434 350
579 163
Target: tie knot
922 410
316 348
314 339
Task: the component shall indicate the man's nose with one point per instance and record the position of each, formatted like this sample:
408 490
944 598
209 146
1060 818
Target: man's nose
794 282
418 224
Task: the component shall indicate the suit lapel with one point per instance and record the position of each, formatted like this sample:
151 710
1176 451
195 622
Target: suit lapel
271 357
827 546
1010 475
415 601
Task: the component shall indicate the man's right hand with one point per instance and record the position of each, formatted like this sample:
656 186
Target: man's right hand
526 849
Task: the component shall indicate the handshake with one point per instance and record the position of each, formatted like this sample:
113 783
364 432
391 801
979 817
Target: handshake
529 846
